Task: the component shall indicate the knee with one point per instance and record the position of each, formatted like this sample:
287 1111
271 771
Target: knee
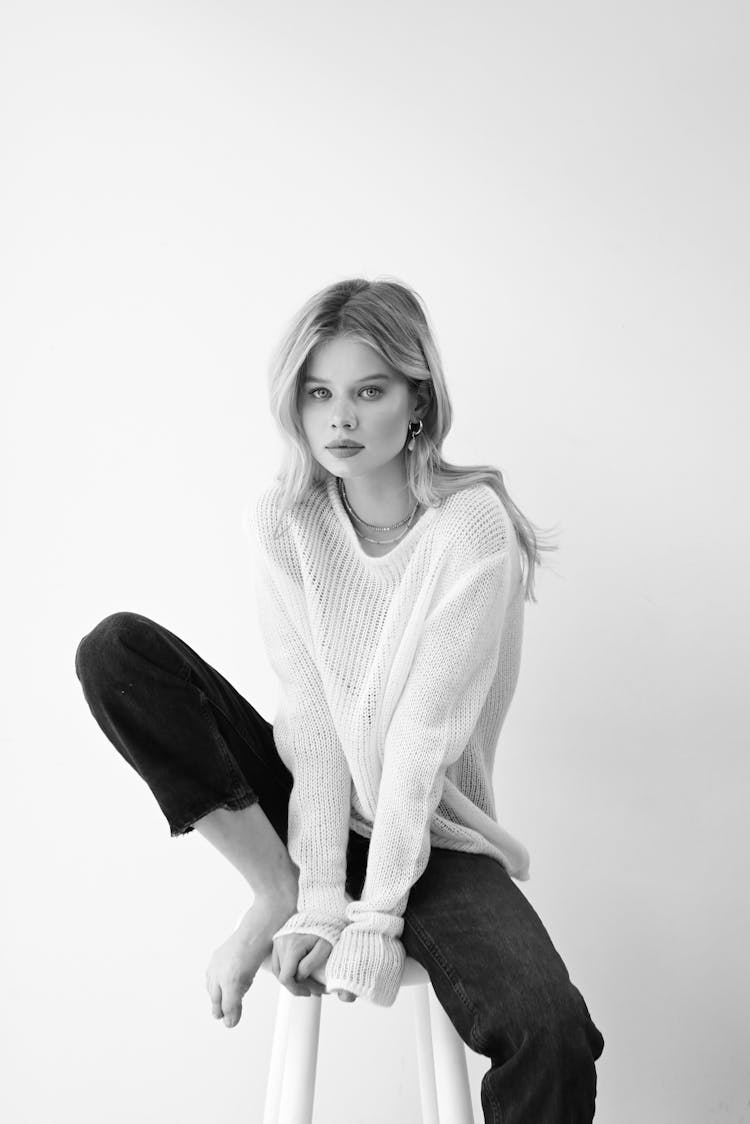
566 1041
567 1037
103 645
555 1027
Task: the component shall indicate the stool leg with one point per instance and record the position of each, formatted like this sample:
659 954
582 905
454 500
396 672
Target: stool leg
452 1075
278 1053
298 1084
425 1059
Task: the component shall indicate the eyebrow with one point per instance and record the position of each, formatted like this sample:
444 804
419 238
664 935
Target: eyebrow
365 378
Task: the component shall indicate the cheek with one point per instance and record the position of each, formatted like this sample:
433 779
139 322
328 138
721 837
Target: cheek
307 418
391 419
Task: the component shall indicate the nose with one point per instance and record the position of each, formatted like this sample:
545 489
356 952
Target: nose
341 417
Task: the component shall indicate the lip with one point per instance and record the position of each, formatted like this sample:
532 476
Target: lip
344 445
344 450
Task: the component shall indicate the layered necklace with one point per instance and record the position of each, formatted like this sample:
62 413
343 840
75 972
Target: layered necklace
373 526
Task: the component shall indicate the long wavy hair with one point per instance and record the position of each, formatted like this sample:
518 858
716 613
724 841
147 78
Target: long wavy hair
391 318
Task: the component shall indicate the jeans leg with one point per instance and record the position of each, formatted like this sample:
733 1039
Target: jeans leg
505 988
197 743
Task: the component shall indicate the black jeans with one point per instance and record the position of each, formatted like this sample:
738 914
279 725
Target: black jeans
199 745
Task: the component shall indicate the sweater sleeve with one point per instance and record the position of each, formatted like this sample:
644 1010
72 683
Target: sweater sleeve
450 677
308 744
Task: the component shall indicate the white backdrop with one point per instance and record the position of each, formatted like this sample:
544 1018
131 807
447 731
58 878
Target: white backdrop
566 186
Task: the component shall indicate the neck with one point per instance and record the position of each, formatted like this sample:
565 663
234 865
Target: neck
380 498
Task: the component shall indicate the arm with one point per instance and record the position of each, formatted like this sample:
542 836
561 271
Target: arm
308 744
453 669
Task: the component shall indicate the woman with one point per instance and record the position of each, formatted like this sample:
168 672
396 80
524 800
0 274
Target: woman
390 589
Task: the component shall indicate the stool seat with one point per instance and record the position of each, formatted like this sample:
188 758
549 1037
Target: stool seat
441 1058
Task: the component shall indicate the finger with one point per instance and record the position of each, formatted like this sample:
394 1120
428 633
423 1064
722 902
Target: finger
275 960
296 989
316 987
311 966
317 955
286 977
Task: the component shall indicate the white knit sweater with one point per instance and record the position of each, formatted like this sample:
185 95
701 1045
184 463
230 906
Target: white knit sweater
396 673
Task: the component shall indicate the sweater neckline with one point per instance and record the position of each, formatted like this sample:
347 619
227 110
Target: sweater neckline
397 552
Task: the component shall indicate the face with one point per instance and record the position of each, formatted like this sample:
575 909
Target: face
352 394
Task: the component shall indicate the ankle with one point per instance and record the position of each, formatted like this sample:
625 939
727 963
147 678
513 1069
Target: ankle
269 910
279 896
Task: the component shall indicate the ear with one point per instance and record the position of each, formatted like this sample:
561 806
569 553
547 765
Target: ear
422 397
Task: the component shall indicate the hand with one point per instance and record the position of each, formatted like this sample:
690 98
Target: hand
295 957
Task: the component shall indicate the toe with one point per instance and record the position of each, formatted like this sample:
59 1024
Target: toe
214 992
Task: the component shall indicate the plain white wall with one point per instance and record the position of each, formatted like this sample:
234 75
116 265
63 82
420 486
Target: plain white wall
566 186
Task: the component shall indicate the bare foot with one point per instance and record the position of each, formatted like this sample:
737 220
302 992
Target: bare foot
233 966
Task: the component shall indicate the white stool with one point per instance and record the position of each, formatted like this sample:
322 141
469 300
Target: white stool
443 1077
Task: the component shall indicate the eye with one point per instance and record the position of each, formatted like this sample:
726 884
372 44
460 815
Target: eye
312 393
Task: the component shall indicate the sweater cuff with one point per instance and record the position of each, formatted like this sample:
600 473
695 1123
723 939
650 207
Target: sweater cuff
368 964
324 925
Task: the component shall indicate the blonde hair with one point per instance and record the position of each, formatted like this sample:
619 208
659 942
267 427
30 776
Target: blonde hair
391 318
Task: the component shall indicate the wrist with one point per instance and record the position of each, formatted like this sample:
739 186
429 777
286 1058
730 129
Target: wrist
329 926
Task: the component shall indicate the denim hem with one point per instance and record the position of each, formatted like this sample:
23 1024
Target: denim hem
232 803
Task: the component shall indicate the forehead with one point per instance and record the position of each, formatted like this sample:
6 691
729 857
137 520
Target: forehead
343 359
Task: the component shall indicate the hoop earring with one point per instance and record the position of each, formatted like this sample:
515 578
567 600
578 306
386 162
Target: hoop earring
413 433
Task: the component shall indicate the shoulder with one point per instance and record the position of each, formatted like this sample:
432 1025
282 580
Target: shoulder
476 524
478 537
269 527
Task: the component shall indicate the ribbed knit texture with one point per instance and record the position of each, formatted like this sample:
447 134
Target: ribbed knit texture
395 673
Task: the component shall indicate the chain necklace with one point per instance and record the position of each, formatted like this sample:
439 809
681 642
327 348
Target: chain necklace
373 526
